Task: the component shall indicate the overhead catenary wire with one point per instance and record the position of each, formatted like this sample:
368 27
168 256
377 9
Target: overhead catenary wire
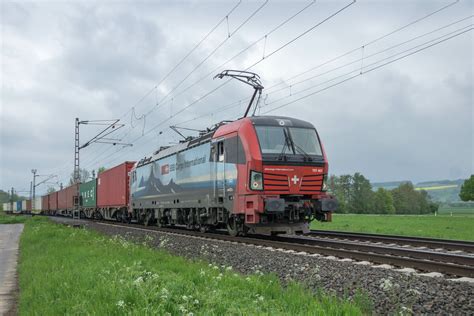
280 48
372 69
155 87
368 56
212 52
383 36
406 26
160 102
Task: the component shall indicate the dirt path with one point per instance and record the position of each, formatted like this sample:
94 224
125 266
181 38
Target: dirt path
9 245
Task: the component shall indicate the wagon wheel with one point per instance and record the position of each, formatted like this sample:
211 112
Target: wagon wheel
233 227
203 228
119 216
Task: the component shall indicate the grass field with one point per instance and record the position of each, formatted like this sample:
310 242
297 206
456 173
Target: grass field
456 211
64 270
11 219
447 227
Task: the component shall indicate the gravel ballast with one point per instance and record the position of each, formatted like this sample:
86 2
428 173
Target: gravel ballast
390 291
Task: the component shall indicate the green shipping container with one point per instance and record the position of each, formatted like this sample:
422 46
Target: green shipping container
88 192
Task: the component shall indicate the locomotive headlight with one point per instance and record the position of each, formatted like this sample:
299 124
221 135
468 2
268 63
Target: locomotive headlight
325 183
256 180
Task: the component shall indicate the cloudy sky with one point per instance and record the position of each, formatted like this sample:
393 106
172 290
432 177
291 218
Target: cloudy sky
397 106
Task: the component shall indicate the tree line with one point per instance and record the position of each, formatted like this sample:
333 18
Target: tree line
356 195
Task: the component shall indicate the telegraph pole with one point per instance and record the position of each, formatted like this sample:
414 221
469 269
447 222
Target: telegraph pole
111 126
33 186
11 200
76 152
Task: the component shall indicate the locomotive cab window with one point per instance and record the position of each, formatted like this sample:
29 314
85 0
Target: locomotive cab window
292 141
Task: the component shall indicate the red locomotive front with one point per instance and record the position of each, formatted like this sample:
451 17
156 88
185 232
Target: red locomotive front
281 186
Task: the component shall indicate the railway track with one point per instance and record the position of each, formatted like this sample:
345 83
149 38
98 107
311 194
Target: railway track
432 243
420 259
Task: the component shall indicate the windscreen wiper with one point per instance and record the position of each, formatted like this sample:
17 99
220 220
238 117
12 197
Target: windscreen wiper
287 142
301 150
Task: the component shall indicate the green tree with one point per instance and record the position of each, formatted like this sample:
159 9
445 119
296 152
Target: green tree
383 202
84 176
341 188
51 190
467 190
409 201
101 169
361 195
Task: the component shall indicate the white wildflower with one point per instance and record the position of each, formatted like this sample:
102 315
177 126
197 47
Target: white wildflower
121 304
196 302
164 293
202 272
184 297
229 268
138 280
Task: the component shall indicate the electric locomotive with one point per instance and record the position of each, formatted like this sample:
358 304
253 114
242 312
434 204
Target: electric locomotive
258 174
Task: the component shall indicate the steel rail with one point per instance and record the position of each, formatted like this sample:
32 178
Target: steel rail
448 244
363 254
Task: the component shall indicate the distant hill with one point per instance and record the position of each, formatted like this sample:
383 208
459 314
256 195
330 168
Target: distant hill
444 191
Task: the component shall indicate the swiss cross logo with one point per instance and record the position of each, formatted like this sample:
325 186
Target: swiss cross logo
295 179
165 169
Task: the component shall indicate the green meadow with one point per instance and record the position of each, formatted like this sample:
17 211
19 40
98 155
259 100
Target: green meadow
66 270
459 226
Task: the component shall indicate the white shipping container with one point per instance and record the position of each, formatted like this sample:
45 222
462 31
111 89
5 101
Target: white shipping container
8 207
37 206
23 205
17 207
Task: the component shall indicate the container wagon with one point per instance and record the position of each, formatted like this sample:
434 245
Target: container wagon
28 207
23 206
113 192
45 204
71 193
62 202
17 206
8 208
53 203
37 207
88 200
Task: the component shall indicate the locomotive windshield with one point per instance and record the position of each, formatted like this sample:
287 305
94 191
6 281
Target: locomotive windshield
288 141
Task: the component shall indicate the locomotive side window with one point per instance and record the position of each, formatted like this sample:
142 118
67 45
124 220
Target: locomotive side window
220 151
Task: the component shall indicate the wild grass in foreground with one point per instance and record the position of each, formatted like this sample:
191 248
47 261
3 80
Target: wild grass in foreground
76 271
12 219
446 227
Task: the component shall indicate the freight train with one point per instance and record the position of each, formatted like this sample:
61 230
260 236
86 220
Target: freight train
259 174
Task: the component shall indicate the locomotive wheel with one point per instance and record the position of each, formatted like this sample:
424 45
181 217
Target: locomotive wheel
148 219
203 228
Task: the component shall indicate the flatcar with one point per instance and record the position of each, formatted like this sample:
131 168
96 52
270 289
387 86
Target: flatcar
260 174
